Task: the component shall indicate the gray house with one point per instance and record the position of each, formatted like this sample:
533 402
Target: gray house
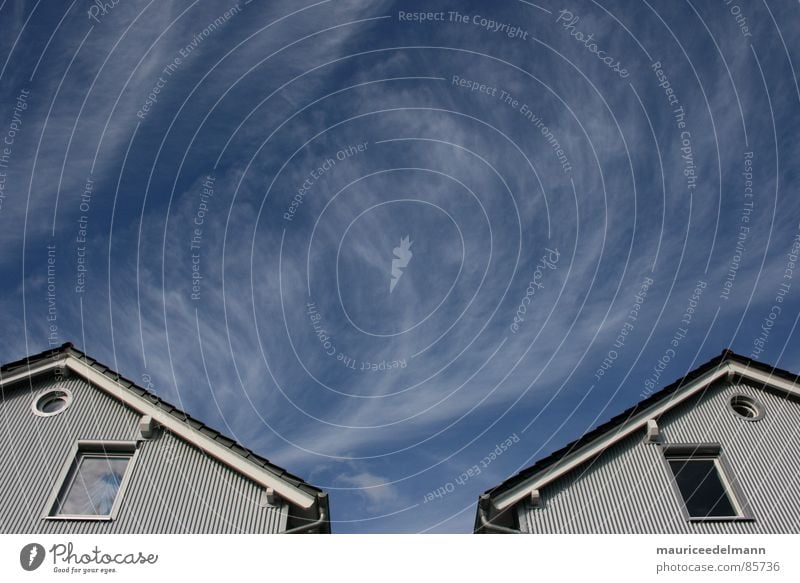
87 451
715 452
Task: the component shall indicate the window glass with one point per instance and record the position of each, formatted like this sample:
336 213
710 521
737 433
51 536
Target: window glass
701 486
53 405
92 485
51 402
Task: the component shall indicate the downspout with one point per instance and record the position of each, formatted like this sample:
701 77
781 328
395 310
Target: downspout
488 526
323 516
310 526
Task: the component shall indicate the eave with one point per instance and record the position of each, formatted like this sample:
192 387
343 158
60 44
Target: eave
64 359
506 497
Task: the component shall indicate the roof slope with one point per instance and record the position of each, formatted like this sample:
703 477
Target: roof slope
546 463
69 350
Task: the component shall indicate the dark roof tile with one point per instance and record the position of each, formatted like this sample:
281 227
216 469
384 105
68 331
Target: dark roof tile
69 348
618 420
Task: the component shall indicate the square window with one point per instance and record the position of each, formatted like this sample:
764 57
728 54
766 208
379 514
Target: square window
93 482
700 477
702 489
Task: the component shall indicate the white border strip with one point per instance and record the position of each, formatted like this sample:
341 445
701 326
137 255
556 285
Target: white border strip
221 453
590 450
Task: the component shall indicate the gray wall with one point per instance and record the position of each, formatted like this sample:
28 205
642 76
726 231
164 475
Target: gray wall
173 487
627 488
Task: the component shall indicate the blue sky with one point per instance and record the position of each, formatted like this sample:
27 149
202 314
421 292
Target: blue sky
597 196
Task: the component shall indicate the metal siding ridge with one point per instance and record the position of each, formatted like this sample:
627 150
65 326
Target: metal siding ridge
191 491
627 488
198 438
601 443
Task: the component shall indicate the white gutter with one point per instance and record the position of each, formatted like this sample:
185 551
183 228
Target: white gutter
764 378
33 370
517 493
590 450
486 524
311 525
210 446
216 450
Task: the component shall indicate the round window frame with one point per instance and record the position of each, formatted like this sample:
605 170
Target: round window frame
748 400
40 398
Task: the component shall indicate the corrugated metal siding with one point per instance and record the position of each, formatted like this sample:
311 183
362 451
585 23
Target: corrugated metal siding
627 488
173 488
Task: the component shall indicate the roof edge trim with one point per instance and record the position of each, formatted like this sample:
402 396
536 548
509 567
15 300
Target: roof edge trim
228 458
222 454
579 456
30 371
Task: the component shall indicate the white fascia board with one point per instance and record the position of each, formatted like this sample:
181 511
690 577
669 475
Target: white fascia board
247 468
32 371
585 453
216 450
765 378
590 450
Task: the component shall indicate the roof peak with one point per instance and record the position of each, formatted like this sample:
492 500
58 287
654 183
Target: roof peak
726 359
33 364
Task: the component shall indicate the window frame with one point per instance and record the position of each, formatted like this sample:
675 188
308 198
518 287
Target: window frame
81 447
725 473
757 406
66 394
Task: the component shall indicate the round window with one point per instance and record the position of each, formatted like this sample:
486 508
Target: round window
52 402
746 407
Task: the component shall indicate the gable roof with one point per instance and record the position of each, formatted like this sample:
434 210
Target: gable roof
222 448
597 440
